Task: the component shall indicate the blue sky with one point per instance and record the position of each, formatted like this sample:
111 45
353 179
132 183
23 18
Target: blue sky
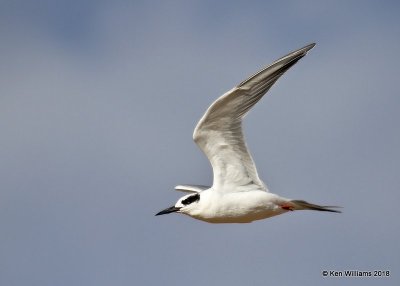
98 101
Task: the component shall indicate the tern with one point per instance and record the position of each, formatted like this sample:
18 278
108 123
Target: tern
237 195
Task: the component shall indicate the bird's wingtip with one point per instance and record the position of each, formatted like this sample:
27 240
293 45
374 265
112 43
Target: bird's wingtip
309 47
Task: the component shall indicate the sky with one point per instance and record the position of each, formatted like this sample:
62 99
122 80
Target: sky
98 102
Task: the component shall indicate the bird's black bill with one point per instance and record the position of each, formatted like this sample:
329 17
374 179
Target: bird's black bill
168 210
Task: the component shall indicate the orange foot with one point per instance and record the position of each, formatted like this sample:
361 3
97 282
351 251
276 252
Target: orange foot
287 207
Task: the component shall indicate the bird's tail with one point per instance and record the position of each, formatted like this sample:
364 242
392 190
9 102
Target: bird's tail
303 205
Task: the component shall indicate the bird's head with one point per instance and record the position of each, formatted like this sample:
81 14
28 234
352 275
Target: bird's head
185 205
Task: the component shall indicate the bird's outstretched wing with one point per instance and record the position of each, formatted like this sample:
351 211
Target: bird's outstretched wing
219 132
191 188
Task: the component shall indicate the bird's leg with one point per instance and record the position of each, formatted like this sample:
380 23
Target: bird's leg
287 206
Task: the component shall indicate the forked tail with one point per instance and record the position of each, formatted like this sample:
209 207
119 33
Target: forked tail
303 205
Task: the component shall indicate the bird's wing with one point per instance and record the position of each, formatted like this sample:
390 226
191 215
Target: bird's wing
191 188
219 132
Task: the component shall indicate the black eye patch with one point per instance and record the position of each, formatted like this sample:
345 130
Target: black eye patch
191 199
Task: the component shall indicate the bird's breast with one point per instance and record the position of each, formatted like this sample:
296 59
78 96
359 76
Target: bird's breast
240 207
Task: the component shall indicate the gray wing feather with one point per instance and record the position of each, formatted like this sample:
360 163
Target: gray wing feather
219 132
191 188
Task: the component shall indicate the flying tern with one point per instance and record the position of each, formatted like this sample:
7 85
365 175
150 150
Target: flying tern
237 195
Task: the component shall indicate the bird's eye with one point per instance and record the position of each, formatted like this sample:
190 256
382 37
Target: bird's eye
191 199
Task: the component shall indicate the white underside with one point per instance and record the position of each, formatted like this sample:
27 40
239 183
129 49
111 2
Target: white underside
244 218
238 207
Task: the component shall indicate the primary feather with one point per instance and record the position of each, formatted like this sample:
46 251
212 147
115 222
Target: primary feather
219 132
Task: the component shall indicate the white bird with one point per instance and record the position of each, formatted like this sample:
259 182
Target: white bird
237 194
